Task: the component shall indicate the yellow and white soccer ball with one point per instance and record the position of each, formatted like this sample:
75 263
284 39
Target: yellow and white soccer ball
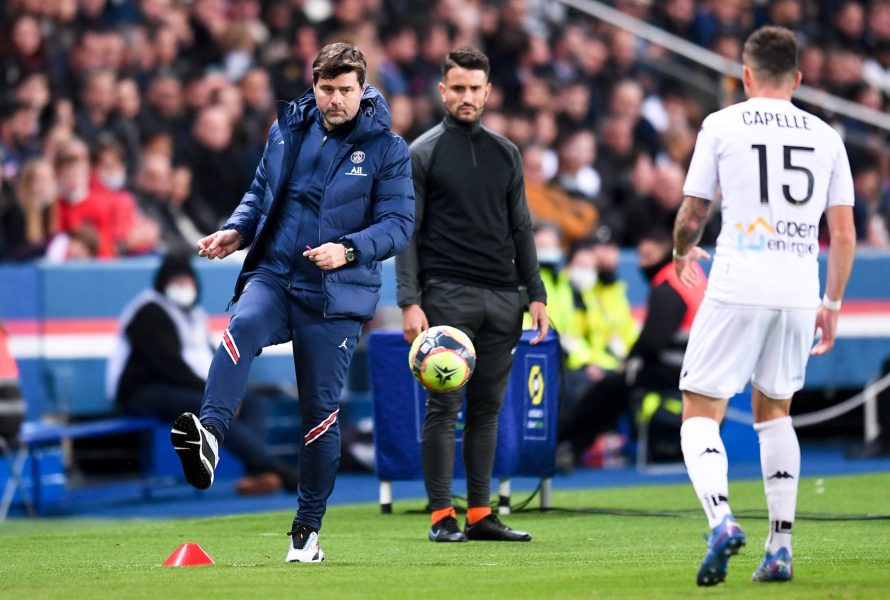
442 358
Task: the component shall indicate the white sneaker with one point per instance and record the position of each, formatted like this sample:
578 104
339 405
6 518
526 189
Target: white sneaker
197 448
304 546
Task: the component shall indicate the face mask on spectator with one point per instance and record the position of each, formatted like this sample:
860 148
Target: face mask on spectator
75 196
113 181
182 295
582 278
549 256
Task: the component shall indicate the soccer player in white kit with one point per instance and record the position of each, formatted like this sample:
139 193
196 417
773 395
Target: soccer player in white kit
778 169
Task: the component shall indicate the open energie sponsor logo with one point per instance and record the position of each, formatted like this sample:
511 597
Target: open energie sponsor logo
801 238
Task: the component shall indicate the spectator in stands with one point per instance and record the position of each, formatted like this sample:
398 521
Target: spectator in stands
843 72
577 176
659 209
164 110
627 102
614 158
289 73
575 218
718 16
403 123
168 55
30 214
97 115
653 363
396 69
218 172
575 108
871 210
623 60
206 48
677 17
80 243
589 308
812 65
85 200
159 368
849 27
19 141
259 106
164 194
189 209
34 91
25 52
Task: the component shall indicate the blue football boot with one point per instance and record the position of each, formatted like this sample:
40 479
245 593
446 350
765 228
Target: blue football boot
725 541
775 567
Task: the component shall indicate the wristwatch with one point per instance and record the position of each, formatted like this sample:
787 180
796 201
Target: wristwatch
351 254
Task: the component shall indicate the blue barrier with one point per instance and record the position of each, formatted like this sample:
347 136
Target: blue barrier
63 317
526 428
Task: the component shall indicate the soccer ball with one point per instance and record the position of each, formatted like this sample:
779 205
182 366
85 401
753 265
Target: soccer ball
442 358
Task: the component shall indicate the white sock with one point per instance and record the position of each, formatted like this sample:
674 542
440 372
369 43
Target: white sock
706 463
780 464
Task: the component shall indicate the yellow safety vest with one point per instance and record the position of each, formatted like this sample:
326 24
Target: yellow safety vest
601 334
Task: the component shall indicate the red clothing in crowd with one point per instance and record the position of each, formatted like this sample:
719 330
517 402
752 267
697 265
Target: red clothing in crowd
111 213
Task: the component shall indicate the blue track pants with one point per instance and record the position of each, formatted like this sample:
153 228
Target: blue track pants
268 314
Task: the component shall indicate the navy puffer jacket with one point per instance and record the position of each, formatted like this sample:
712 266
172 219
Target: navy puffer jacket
368 199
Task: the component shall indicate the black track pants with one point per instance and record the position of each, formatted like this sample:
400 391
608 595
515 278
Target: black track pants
493 320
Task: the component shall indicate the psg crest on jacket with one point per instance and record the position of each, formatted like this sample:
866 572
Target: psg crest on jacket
442 358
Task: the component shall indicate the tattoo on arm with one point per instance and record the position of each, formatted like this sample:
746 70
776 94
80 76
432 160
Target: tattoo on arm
691 220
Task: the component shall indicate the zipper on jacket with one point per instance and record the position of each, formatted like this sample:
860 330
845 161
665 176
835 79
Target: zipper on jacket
334 161
472 149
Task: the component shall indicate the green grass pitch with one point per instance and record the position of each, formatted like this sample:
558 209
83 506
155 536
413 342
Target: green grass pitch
370 555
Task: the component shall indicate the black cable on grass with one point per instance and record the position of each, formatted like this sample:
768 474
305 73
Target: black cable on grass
459 503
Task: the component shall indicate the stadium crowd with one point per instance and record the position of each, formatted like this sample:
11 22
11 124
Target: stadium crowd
133 126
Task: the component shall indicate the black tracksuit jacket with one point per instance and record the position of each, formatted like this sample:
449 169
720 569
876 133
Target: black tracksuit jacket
470 180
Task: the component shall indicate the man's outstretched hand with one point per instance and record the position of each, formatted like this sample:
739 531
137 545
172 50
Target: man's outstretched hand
219 244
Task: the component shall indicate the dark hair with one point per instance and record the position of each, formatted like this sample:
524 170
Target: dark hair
174 264
466 58
12 108
107 143
581 245
771 52
338 58
657 235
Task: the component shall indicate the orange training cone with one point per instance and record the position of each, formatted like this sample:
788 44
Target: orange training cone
188 555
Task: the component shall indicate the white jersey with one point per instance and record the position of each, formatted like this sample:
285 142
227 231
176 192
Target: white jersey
778 168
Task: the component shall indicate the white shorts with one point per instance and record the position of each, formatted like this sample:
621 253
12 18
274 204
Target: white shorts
730 345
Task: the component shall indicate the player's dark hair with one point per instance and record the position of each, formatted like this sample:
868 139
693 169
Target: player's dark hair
771 52
335 59
466 58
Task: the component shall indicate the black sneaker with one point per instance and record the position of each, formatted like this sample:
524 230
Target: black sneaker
491 529
197 448
446 529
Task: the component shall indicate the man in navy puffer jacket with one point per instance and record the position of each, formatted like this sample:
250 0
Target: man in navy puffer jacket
331 198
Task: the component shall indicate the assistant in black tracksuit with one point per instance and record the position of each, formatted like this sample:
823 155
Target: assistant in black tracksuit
472 250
